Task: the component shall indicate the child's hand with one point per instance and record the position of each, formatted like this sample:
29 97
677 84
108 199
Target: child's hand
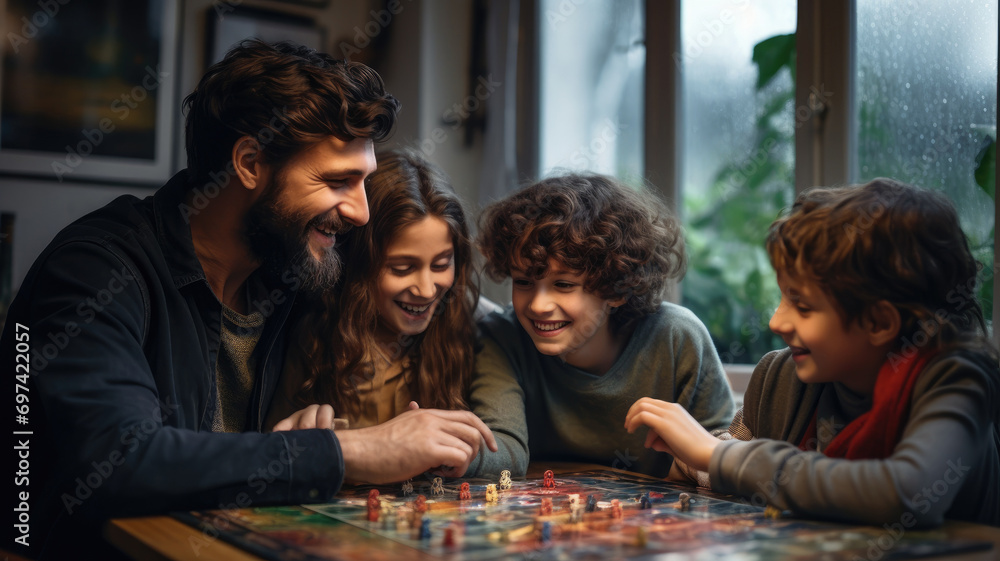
672 430
313 417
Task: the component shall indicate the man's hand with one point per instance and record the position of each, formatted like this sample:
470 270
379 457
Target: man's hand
672 430
313 417
416 441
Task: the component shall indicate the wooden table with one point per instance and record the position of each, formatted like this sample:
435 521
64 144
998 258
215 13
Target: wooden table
162 538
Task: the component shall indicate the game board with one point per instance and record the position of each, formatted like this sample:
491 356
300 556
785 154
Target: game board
713 527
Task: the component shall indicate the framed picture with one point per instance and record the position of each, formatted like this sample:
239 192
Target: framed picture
87 90
228 29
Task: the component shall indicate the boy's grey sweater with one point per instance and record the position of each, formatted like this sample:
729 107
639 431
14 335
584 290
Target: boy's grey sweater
566 414
947 464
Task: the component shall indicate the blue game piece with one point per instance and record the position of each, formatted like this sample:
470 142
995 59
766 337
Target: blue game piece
425 529
591 503
546 531
644 501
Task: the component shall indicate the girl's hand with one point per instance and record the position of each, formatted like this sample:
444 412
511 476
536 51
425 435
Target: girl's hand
313 417
672 430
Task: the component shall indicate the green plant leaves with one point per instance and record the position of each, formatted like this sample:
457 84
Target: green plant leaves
986 167
771 54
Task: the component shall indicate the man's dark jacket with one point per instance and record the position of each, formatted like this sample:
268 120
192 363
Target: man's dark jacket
124 333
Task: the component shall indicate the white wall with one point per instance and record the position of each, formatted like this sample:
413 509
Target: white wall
45 207
426 68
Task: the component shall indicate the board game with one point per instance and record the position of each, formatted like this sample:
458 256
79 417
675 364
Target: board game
581 515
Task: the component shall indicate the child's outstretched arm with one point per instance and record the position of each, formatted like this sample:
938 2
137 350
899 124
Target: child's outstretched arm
672 430
497 398
946 463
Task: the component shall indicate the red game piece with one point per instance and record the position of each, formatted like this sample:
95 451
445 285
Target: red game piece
464 493
548 479
420 504
449 537
374 506
546 507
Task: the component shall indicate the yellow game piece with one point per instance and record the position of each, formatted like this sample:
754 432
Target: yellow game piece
772 512
640 537
491 493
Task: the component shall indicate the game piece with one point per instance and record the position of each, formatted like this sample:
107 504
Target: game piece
616 509
576 513
574 499
419 507
644 501
491 493
640 537
548 479
420 504
425 529
591 503
546 532
772 512
505 480
437 487
407 487
374 505
683 503
546 507
449 537
464 493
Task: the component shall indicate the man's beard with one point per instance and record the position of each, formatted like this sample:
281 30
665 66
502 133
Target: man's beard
280 241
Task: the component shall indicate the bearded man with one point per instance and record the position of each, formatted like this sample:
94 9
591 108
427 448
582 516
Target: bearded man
153 331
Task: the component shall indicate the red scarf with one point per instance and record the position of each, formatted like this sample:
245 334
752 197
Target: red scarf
875 433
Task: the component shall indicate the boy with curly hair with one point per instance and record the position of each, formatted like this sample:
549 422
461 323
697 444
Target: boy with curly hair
888 387
587 333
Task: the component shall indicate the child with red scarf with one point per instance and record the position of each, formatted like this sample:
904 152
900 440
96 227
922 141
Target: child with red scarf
883 408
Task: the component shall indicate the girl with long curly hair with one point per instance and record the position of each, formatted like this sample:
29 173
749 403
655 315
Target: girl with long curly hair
398 327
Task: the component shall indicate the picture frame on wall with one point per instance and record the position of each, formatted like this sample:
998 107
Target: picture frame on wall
242 22
88 90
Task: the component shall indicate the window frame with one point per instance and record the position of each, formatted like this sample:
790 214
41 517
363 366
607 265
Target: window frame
825 145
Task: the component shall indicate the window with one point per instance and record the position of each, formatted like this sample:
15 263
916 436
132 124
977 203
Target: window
737 144
776 96
591 66
926 91
906 90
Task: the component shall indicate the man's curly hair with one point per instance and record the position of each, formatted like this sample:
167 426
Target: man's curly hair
625 242
286 96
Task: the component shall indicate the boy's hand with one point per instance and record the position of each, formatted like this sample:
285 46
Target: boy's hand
313 417
672 430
